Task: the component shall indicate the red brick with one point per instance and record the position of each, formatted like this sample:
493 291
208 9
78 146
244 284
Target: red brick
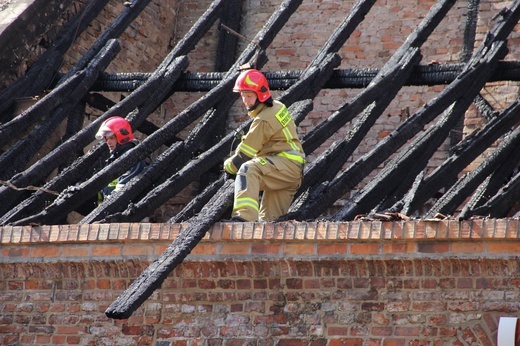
46 251
332 249
299 249
106 250
433 247
365 249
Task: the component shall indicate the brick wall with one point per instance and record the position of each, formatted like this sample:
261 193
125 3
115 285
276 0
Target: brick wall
356 283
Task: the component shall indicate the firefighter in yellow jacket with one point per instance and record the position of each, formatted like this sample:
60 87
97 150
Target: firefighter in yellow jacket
269 158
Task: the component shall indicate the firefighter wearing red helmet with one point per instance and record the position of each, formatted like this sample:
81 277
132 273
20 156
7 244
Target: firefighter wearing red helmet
269 158
117 133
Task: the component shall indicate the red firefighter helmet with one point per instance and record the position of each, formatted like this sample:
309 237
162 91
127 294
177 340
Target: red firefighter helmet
117 126
253 80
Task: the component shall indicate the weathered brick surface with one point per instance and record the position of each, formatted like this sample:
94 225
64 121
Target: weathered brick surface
319 283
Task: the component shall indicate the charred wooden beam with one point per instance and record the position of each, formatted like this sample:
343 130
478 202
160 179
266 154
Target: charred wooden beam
17 157
298 111
314 203
153 276
147 97
470 30
41 74
457 193
196 204
354 78
498 205
489 191
71 199
313 78
141 103
371 102
75 123
311 81
227 44
169 162
389 72
465 55
326 166
484 107
401 172
114 30
472 146
99 101
144 286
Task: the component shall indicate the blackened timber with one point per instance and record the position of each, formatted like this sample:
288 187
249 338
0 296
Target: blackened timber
487 54
314 203
463 154
155 274
15 127
326 166
169 162
490 188
182 178
500 204
484 107
156 197
197 203
354 78
147 128
457 193
311 81
17 157
77 171
114 30
371 102
228 43
470 30
41 74
196 33
400 173
140 103
342 32
385 77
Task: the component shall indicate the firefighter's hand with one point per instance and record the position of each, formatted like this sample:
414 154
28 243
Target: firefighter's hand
229 167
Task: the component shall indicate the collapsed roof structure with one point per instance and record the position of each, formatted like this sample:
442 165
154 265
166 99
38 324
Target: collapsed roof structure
401 188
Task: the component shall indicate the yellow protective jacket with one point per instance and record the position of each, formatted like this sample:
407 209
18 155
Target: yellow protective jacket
272 132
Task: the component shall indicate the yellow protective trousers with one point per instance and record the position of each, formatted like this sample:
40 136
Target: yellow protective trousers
278 177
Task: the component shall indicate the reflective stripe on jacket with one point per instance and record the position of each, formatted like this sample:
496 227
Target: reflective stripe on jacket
272 132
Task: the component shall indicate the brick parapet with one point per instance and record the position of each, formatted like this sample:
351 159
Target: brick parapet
491 237
310 283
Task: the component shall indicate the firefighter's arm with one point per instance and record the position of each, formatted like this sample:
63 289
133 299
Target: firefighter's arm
232 164
127 176
251 144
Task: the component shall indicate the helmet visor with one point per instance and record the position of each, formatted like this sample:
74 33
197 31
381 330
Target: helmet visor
104 132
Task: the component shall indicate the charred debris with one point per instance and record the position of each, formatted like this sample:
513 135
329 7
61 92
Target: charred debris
402 189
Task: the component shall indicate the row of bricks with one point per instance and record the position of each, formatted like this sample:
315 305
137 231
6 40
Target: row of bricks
206 248
419 230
